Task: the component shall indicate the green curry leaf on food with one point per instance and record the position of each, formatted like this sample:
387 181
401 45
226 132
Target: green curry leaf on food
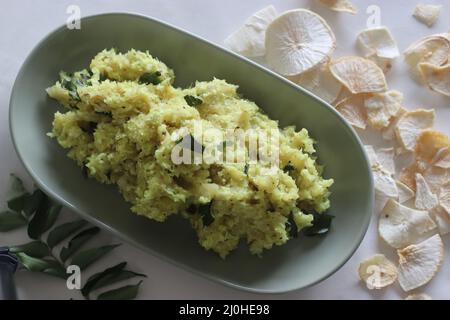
321 225
77 241
205 212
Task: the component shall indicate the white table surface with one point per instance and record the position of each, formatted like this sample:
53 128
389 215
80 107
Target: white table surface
24 22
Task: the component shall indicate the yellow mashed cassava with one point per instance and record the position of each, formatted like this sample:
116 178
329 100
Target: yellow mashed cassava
121 113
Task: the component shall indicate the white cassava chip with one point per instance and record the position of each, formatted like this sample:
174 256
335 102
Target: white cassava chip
383 168
380 202
385 157
249 40
427 13
339 5
382 107
418 296
345 94
411 124
408 176
433 175
434 49
319 81
378 41
352 109
384 182
297 41
425 199
359 75
377 272
436 77
419 263
381 158
405 193
401 226
385 64
444 198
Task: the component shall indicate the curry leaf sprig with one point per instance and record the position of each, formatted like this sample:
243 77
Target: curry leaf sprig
39 214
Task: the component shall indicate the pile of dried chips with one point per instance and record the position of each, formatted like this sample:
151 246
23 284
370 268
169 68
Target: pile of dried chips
413 202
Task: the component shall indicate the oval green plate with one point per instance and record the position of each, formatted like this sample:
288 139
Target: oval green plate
300 263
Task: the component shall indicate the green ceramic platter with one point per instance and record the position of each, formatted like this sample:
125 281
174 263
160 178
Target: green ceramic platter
300 263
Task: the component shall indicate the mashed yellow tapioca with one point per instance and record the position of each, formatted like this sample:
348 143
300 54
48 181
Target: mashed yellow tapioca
122 116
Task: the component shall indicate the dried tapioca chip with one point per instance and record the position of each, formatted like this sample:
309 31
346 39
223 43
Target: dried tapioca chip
411 124
419 263
401 226
377 272
427 13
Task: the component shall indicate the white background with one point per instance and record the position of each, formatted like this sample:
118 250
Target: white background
24 22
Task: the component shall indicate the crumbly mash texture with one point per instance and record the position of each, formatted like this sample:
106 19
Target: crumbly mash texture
119 129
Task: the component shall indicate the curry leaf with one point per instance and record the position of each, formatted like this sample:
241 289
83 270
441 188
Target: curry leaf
11 220
150 78
48 266
33 202
18 204
104 113
292 227
89 256
37 255
124 293
91 283
107 277
31 263
205 211
321 225
76 242
63 231
36 249
44 218
102 77
17 194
